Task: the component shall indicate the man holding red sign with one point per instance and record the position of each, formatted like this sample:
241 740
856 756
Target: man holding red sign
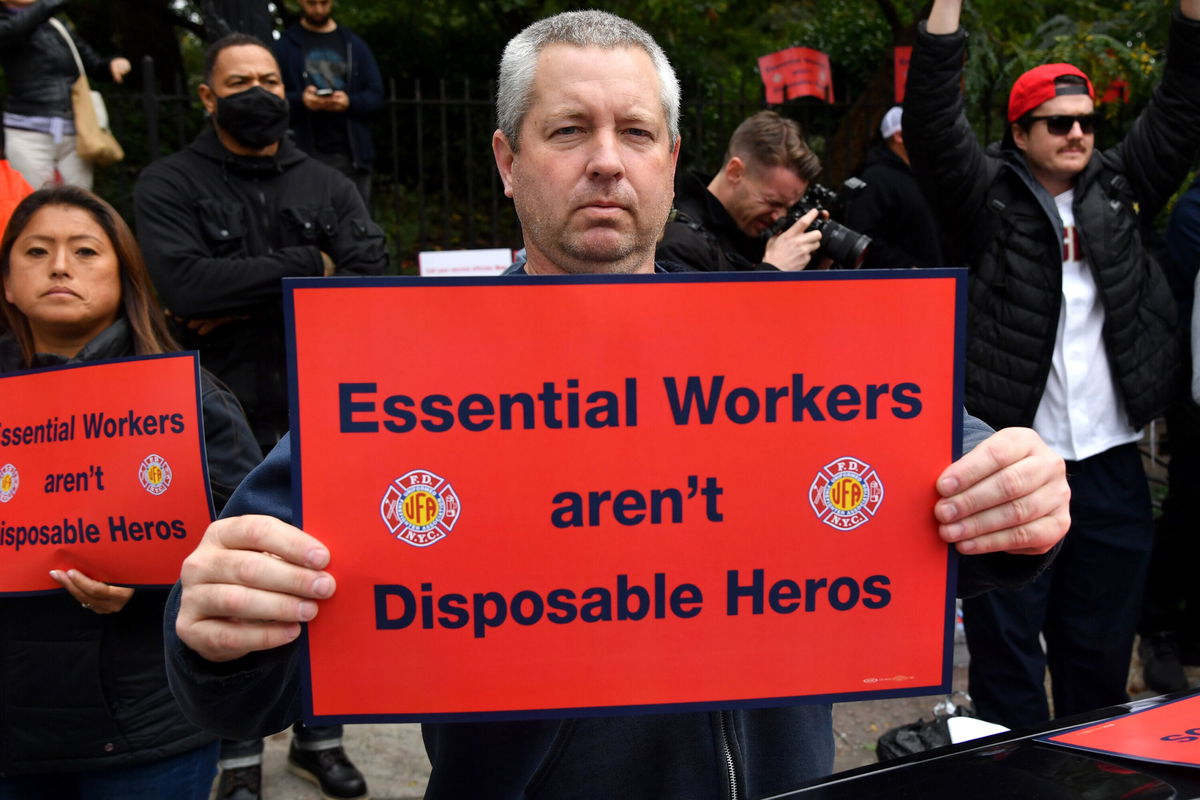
587 144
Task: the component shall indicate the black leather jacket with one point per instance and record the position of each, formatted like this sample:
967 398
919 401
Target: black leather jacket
38 63
1011 234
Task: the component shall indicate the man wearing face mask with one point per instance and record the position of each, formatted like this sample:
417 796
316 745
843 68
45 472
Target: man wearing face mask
222 221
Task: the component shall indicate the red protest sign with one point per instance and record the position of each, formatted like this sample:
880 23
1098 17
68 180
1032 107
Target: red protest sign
101 470
1117 92
550 494
1168 733
796 72
901 56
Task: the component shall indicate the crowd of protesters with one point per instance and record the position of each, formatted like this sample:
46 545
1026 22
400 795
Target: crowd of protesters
1076 341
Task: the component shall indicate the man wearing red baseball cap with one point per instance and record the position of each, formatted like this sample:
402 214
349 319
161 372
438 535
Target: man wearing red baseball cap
1071 331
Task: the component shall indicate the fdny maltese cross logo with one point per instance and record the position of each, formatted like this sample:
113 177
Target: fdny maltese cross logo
420 508
846 493
154 474
10 479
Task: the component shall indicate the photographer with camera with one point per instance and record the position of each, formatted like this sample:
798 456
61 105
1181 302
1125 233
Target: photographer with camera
719 223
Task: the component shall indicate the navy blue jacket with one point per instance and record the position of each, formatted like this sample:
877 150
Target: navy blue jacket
695 755
365 88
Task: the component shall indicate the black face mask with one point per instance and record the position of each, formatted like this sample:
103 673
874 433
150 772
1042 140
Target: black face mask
255 117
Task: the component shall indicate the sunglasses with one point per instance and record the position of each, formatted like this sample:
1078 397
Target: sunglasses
1061 124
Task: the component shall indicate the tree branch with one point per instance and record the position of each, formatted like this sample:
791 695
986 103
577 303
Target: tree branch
181 20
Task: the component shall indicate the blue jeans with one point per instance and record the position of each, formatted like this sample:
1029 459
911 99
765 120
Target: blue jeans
187 776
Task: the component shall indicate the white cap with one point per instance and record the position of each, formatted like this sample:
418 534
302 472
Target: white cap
891 122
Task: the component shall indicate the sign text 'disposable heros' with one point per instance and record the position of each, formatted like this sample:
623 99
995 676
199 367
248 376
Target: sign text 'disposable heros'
101 469
720 484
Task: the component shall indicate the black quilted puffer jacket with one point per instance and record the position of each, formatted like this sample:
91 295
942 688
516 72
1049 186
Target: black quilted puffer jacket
1010 232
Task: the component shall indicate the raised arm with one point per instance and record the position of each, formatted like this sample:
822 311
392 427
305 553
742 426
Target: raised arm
1163 143
944 153
944 16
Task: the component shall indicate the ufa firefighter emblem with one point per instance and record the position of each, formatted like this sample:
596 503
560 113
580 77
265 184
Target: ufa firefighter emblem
420 508
154 474
10 480
846 493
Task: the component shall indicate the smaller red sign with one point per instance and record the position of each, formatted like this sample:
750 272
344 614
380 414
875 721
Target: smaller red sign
796 72
900 59
101 470
1117 92
1167 733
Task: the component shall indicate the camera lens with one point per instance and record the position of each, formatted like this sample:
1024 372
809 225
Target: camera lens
846 247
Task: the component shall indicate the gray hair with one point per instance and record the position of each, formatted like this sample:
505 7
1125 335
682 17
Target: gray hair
580 29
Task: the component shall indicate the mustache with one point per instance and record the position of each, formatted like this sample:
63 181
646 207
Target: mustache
618 199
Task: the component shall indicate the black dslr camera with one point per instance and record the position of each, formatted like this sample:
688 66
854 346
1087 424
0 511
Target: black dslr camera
845 247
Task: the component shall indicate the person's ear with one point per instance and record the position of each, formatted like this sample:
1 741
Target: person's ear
1020 136
208 98
735 170
505 156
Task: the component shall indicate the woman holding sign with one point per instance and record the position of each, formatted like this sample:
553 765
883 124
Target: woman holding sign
87 710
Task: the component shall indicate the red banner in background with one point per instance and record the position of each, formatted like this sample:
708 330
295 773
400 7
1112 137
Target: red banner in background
1117 92
796 72
624 493
900 59
101 470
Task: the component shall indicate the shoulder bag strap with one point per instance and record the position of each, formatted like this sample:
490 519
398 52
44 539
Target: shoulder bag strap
62 29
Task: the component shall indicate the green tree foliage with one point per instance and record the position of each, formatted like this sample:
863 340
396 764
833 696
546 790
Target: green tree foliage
1109 41
714 44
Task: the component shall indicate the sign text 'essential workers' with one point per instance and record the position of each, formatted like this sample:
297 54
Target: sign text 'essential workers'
101 470
550 496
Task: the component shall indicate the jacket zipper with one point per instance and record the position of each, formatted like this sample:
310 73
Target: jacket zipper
727 754
265 218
